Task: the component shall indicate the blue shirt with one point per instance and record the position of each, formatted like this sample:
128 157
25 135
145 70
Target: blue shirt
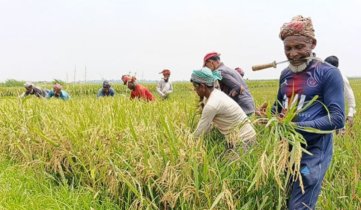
319 79
101 93
63 95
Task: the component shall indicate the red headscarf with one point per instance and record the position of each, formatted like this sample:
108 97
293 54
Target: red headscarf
165 72
208 56
299 26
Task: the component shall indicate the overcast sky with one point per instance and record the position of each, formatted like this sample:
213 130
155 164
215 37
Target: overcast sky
48 39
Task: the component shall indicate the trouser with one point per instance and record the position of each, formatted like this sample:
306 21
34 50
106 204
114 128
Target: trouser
313 169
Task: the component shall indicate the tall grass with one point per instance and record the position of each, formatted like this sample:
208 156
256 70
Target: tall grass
142 156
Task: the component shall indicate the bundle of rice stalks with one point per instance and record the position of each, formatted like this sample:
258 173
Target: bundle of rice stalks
282 148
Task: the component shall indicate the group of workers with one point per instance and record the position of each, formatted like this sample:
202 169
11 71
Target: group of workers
138 91
227 103
305 78
56 92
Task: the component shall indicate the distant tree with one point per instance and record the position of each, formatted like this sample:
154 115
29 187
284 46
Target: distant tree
12 83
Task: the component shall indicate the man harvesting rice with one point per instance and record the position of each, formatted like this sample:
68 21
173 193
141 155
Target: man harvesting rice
231 83
222 111
165 87
106 90
299 83
31 89
57 92
139 91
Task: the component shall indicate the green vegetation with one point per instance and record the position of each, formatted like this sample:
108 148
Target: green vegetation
115 153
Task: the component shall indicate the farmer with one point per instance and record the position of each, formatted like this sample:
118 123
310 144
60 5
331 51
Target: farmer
350 97
107 90
57 92
139 91
32 90
165 87
222 111
231 83
240 71
126 78
303 79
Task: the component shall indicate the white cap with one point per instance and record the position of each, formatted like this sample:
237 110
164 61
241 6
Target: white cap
28 84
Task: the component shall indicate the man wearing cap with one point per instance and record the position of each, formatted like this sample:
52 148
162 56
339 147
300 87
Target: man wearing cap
299 83
139 91
231 83
32 90
165 87
350 97
107 90
240 71
57 92
222 111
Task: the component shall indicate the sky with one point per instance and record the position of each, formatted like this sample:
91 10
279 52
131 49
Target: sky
104 39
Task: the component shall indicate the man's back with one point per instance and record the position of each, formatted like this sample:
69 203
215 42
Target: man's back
232 80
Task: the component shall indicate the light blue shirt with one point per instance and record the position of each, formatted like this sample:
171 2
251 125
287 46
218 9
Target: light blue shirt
63 95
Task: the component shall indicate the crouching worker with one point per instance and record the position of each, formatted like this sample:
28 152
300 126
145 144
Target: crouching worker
107 90
31 89
221 110
57 92
139 91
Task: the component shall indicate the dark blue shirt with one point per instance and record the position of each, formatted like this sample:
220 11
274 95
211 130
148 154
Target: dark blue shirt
319 79
101 93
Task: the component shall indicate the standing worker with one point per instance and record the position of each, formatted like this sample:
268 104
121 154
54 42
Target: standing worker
165 87
350 97
299 83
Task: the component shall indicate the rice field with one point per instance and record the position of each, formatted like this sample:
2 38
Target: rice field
113 153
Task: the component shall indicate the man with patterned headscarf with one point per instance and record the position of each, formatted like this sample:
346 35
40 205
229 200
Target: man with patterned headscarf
231 83
222 111
299 83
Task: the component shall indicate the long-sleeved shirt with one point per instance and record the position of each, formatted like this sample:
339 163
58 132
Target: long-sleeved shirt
63 95
38 92
101 92
319 79
141 92
164 88
232 81
349 96
225 114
